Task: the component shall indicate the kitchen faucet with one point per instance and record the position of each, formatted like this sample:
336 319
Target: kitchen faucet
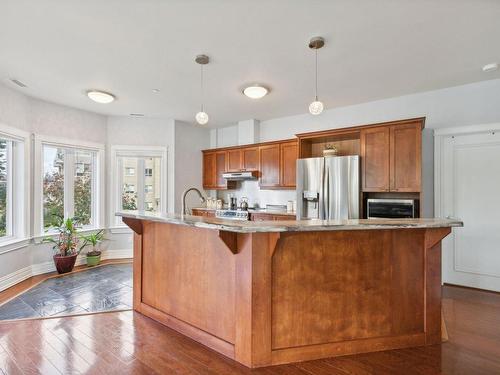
202 199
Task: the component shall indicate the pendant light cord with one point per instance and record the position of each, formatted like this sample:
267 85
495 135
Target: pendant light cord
316 93
201 86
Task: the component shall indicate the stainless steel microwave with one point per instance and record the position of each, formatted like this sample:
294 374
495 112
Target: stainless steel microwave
391 208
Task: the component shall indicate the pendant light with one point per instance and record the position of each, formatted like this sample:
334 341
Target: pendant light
316 107
201 117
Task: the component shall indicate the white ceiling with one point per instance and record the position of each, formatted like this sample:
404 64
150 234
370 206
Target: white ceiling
374 49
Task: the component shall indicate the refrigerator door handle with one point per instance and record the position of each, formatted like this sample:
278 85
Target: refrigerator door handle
321 200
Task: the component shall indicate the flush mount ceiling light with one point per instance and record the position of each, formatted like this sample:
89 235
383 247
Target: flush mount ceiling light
201 117
255 91
490 67
100 96
316 107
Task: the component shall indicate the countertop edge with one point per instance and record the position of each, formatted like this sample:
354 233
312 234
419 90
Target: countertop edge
289 226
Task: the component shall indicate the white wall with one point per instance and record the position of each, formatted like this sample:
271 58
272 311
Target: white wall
475 103
189 140
37 116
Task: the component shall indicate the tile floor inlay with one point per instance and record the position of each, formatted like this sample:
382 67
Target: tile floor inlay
104 288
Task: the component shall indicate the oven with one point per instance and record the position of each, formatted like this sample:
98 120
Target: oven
391 208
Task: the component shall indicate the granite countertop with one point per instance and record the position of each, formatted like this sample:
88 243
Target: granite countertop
289 225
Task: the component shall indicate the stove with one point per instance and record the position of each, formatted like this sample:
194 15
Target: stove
232 214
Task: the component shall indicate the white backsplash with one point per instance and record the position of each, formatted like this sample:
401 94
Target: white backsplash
256 196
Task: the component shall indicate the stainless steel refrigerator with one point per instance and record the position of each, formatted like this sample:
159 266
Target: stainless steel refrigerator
328 188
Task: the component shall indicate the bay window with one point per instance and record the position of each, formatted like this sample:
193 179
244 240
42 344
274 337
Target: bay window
14 188
70 177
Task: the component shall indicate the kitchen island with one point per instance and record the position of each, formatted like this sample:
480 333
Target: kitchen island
265 293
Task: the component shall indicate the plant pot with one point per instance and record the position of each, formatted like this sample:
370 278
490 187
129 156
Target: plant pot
93 260
65 264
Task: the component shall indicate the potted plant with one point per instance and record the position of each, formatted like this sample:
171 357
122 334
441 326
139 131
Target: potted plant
94 239
65 244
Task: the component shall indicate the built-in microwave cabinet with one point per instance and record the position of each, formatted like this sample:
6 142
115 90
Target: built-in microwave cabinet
391 158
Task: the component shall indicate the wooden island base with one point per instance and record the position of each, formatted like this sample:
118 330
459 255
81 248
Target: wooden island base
272 298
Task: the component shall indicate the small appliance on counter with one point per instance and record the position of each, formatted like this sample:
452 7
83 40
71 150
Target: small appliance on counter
244 203
232 214
233 202
391 208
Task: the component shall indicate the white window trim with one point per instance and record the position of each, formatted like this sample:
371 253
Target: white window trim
20 177
114 191
98 200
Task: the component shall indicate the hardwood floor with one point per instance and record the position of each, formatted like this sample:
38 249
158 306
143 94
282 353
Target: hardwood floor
128 343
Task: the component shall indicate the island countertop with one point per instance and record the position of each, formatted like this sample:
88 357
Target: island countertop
290 225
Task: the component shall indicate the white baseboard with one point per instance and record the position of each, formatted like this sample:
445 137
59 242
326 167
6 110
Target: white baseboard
15 277
40 268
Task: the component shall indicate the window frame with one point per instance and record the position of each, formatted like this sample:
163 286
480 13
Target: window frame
115 186
18 177
69 170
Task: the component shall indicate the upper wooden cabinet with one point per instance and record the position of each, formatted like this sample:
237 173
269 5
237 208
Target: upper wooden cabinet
250 158
214 165
288 163
406 158
277 165
208 170
234 160
391 158
243 159
269 166
375 157
275 162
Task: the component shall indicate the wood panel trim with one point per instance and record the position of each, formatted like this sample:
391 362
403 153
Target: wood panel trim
252 145
312 352
134 224
353 129
192 332
137 272
433 236
230 240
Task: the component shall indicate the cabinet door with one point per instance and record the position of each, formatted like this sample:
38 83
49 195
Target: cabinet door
269 166
250 158
220 168
234 160
375 159
208 170
406 157
289 152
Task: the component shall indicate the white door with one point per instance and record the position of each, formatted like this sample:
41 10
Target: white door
468 187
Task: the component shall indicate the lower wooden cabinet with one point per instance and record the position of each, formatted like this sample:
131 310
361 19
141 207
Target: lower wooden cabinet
203 212
267 217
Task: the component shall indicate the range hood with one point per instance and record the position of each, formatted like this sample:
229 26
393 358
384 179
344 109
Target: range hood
239 176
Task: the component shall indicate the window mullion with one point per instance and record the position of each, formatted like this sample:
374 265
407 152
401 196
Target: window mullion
140 183
69 183
9 197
